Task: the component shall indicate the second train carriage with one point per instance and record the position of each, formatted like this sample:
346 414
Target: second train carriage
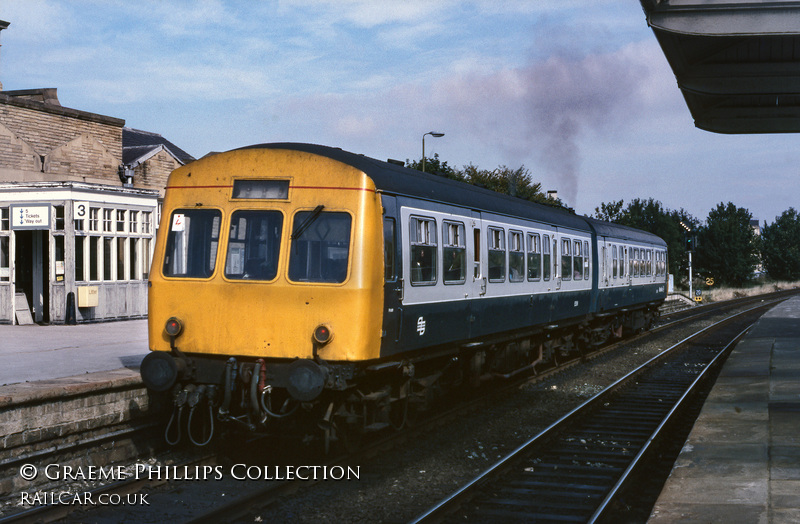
295 281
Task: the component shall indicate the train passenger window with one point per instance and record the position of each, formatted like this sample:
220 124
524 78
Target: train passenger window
455 253
497 255
534 256
566 259
577 260
635 262
546 257
649 262
389 243
516 257
321 247
585 260
422 235
253 245
192 243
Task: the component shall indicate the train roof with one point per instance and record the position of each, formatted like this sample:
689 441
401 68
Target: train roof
608 229
395 179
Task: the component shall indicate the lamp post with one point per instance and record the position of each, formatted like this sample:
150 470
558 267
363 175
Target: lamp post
691 245
433 134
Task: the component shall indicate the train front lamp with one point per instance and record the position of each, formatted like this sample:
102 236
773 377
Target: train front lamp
433 134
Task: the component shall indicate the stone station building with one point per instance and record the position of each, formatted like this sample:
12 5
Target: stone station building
79 206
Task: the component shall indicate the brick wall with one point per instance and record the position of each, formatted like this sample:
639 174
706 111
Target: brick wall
153 173
76 145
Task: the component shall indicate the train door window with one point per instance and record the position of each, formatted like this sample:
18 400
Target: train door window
497 255
649 262
534 256
635 262
614 261
253 245
454 252
516 257
566 259
389 245
624 271
546 257
192 243
585 260
604 263
320 248
577 260
422 235
476 256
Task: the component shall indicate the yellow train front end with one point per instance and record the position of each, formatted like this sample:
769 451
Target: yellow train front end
266 283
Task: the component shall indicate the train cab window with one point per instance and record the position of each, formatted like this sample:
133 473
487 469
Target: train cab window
546 257
497 254
422 235
566 259
253 245
389 246
577 260
454 248
320 248
534 256
192 243
516 257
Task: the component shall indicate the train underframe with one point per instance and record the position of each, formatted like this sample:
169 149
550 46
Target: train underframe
339 403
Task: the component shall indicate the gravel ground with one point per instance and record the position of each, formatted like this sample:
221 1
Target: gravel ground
400 484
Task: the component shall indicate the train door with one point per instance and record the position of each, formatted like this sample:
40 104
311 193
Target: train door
393 277
477 288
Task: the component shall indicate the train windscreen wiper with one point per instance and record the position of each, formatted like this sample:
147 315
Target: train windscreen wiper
300 229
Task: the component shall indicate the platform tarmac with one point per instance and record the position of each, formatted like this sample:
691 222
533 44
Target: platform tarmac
41 353
741 461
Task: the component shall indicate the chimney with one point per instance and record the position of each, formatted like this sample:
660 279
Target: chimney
3 25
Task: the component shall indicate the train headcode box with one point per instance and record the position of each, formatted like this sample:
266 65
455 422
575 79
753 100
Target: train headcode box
88 296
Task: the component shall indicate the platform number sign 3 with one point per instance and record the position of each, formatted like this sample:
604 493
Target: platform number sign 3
80 210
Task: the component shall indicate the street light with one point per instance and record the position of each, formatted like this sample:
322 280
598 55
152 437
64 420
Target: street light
690 233
433 134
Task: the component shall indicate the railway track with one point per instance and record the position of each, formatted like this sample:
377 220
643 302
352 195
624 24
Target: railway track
574 470
241 499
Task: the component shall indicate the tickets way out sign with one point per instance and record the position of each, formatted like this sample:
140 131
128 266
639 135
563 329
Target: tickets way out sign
34 216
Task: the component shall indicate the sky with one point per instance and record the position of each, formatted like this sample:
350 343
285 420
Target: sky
577 91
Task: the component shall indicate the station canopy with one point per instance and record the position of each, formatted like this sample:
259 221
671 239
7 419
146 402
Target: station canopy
737 62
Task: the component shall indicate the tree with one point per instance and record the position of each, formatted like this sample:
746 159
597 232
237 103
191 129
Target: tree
436 167
780 246
515 182
727 247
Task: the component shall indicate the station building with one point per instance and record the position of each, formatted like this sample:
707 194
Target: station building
80 197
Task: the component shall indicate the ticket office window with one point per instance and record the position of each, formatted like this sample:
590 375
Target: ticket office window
120 252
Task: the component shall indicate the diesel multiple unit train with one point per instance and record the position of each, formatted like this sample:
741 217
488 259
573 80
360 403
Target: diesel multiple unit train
296 287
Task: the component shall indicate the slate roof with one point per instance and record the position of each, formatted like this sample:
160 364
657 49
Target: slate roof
138 144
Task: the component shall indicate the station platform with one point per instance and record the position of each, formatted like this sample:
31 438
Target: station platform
40 353
741 461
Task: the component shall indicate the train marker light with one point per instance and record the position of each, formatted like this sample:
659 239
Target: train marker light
322 334
174 327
